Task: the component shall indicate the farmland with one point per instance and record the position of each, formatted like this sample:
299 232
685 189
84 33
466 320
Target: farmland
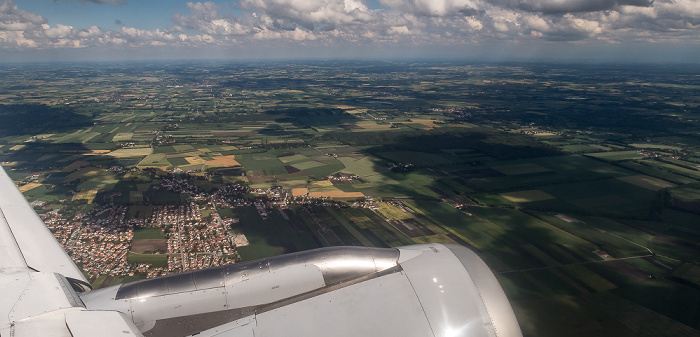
584 202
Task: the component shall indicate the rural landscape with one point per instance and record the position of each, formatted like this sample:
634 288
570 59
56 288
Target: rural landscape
577 184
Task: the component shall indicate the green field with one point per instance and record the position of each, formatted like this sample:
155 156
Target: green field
156 260
156 159
617 155
149 233
269 237
418 158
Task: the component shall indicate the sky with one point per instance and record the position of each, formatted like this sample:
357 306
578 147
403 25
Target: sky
662 31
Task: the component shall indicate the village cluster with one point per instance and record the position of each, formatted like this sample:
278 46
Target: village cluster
102 240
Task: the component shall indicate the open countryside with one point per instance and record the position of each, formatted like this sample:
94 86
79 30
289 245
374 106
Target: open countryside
583 200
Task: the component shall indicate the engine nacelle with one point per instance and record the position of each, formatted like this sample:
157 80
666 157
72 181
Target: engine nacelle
420 290
238 290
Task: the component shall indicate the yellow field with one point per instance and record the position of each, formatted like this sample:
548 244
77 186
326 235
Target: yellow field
527 196
520 169
195 160
27 187
322 184
125 153
336 194
296 157
100 151
129 175
371 126
86 195
647 182
656 146
225 161
16 147
542 134
297 192
427 122
357 111
289 184
344 107
392 212
181 148
285 141
120 137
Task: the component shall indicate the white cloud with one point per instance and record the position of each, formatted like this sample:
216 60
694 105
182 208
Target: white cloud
58 32
16 39
12 18
688 10
286 35
136 36
400 30
206 9
312 14
205 18
535 23
435 7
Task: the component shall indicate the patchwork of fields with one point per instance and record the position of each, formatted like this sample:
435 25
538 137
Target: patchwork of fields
583 201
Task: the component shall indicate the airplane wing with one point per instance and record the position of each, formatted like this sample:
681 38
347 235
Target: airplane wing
38 280
420 290
26 242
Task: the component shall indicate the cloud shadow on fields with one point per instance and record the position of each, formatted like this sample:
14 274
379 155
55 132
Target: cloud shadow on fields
34 119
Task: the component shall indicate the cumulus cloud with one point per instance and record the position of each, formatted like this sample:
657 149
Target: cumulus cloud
14 19
311 14
571 28
205 17
435 7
